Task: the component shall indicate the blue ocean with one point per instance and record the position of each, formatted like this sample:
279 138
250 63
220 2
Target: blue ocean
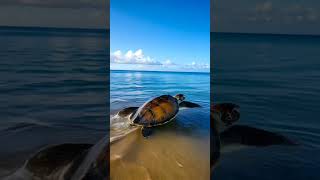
176 150
275 81
54 89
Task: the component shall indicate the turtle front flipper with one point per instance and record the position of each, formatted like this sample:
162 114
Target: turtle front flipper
127 111
146 131
187 104
55 160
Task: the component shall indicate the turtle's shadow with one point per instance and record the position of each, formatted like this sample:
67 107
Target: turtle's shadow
177 126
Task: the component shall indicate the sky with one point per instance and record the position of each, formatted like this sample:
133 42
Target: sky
160 35
250 16
266 16
55 13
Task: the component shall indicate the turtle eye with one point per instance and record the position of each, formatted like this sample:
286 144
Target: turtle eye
227 119
235 113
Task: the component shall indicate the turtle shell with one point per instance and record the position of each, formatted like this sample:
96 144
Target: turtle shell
157 111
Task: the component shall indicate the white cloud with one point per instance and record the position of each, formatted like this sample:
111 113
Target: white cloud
289 14
117 54
264 7
168 62
131 57
139 53
302 13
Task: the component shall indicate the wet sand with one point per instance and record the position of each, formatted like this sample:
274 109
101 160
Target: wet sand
164 155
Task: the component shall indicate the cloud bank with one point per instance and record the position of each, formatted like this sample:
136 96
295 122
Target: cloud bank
266 16
97 4
141 61
131 57
292 13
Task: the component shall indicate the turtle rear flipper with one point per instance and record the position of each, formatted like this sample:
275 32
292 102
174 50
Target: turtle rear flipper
127 111
187 104
146 131
250 136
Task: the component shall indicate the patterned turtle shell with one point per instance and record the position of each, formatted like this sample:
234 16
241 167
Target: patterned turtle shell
157 111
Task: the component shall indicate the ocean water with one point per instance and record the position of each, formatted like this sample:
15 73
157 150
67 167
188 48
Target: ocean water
276 81
53 89
177 150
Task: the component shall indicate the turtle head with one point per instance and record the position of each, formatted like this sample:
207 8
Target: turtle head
224 115
180 97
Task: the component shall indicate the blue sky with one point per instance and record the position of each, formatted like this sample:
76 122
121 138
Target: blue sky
160 35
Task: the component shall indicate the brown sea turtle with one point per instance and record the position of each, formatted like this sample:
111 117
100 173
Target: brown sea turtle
155 112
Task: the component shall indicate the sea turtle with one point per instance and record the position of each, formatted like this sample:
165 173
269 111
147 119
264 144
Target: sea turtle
224 134
67 162
155 112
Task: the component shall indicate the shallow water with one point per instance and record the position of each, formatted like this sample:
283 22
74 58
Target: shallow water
276 82
52 90
177 150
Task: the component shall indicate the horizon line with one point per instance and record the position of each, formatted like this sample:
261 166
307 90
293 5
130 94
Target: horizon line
203 72
108 29
54 28
264 33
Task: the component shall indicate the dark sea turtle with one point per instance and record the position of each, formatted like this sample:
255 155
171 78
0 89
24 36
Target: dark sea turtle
67 162
225 134
155 112
222 116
